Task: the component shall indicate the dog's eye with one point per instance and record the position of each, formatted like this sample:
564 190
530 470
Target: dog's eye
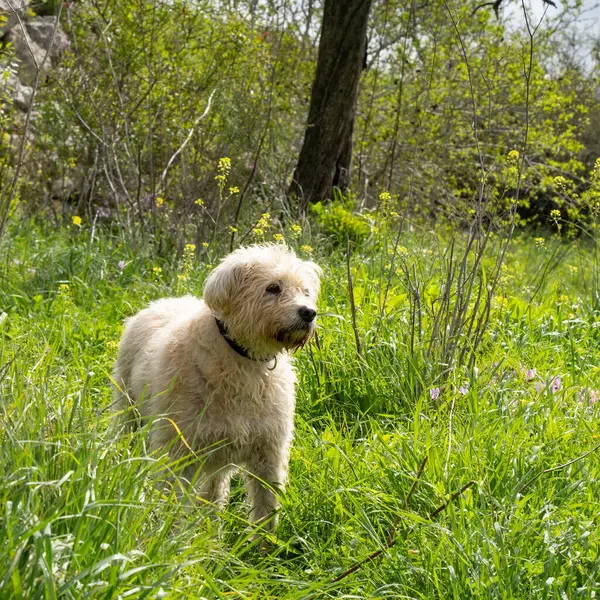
274 288
306 292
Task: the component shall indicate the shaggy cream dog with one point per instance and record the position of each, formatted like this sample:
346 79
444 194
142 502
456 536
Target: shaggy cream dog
219 370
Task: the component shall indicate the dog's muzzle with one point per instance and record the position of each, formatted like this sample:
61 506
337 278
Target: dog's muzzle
301 330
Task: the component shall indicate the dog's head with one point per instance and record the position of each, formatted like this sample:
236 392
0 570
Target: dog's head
266 297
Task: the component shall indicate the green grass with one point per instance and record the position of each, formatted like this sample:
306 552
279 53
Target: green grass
80 515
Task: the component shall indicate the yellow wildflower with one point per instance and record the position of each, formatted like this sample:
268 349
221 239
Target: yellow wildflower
199 202
76 220
190 247
278 237
234 190
224 165
513 155
559 181
296 230
539 241
233 229
307 249
181 277
159 201
595 177
501 301
263 224
157 269
205 244
384 201
63 288
223 169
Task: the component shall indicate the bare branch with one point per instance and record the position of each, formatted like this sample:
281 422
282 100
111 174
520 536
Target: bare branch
185 142
497 3
393 541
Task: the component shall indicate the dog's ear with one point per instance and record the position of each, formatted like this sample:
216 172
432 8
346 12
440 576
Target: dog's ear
223 285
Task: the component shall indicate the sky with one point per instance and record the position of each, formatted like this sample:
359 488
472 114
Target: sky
590 21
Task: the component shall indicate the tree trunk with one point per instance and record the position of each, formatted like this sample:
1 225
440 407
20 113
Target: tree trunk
326 154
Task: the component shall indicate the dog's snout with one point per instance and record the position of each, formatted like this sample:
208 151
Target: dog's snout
307 314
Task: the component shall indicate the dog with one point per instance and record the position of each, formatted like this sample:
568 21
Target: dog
215 376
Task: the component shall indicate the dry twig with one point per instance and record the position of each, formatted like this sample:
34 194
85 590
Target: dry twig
557 468
392 538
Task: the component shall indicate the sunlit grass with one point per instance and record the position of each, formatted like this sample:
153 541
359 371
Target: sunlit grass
82 516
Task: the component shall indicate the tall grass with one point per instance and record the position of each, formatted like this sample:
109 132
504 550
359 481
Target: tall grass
81 516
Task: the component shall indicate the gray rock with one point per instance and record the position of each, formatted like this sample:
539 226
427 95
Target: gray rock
31 45
27 52
63 188
17 91
9 13
40 31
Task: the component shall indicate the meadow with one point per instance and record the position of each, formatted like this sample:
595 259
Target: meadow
476 479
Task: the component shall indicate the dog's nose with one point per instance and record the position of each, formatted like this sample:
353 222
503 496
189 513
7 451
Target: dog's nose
307 314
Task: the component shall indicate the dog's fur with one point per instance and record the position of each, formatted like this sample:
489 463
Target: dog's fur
176 367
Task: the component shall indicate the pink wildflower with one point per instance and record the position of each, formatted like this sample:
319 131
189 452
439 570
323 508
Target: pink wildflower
555 385
530 374
464 389
434 393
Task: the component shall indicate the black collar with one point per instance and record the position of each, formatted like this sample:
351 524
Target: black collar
235 346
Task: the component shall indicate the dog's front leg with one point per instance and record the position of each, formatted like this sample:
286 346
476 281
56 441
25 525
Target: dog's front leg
267 466
215 488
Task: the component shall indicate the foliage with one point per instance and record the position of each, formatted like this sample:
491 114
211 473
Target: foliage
434 121
339 220
446 96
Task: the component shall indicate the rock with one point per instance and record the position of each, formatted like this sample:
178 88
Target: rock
31 45
27 52
64 188
9 14
31 40
17 91
40 31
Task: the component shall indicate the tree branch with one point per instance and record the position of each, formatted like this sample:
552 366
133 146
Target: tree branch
185 143
497 3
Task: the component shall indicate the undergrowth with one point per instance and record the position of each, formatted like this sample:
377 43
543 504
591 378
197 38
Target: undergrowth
82 518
